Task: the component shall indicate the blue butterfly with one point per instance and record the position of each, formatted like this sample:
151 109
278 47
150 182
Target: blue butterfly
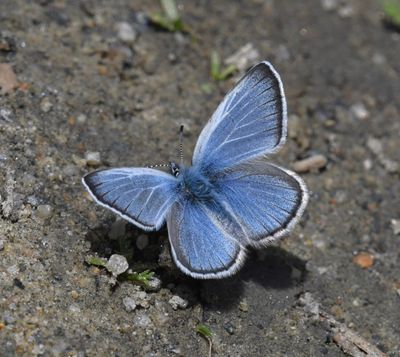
230 198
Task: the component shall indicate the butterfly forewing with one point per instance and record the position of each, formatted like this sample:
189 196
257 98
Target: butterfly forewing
142 196
250 122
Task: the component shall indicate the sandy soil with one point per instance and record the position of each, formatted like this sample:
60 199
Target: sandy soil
84 87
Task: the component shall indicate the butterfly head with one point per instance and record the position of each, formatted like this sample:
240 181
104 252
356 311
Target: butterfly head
175 169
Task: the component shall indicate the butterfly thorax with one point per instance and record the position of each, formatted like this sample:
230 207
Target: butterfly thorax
194 185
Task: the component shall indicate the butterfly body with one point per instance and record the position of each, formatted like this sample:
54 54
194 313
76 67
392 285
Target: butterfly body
193 185
230 198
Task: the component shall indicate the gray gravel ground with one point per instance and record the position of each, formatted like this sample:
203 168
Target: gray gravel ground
96 86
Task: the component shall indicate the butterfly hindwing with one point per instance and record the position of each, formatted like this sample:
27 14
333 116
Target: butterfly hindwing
142 196
250 122
199 244
264 199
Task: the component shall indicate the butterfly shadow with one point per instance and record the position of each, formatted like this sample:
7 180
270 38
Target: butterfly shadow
270 268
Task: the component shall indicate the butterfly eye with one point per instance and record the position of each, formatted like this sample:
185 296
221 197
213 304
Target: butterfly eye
174 169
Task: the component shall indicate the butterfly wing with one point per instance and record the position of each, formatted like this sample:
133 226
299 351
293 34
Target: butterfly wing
200 245
142 196
250 122
264 199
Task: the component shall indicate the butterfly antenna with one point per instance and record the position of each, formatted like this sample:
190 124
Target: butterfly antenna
158 165
180 143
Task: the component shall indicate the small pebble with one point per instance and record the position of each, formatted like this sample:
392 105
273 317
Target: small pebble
125 32
346 11
364 260
375 146
329 5
44 211
378 59
154 284
244 57
70 170
6 114
312 163
311 307
81 118
46 105
13 270
295 126
117 264
141 320
38 349
142 241
367 163
282 53
390 165
2 243
243 305
395 226
92 158
360 111
129 304
341 196
8 79
178 303
74 294
142 299
229 328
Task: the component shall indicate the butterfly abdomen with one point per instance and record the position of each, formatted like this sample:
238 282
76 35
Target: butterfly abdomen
194 185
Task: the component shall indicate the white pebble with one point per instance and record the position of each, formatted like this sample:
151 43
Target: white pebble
375 146
117 264
154 284
244 57
2 242
44 211
125 32
367 163
13 270
346 11
360 111
141 320
46 105
81 118
396 226
312 163
129 304
178 303
329 5
92 158
6 114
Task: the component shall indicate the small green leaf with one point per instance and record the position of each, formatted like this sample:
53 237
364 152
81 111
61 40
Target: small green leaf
217 72
170 20
96 261
162 22
207 88
140 278
204 331
227 72
391 8
215 65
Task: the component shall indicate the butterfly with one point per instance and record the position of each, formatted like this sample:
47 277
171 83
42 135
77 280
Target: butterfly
231 198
